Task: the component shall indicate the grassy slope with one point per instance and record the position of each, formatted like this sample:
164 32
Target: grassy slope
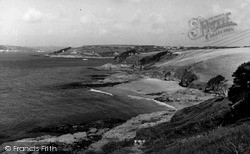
214 62
197 129
185 123
233 139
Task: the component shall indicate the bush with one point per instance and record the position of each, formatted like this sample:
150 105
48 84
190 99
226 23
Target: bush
187 78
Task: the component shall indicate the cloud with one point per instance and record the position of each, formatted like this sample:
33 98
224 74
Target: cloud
135 1
154 20
240 13
216 8
51 16
125 1
33 15
243 5
102 31
138 18
91 19
97 19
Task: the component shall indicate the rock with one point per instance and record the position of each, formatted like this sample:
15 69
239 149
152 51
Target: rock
92 130
128 130
184 96
66 138
114 67
102 131
80 135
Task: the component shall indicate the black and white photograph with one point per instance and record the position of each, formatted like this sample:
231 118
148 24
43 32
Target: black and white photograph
125 76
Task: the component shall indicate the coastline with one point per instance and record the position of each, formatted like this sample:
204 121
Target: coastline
90 136
134 90
82 136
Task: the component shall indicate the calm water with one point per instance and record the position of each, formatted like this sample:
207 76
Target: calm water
28 97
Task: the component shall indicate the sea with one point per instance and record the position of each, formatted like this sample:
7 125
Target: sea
31 97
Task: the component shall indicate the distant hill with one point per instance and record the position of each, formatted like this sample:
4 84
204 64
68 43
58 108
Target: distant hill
10 48
2 47
48 48
91 51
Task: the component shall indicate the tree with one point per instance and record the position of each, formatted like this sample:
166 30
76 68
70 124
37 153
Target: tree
217 85
241 87
239 94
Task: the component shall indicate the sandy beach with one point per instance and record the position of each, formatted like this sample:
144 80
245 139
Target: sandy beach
149 89
150 85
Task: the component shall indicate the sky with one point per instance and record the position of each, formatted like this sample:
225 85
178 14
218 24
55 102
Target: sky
91 22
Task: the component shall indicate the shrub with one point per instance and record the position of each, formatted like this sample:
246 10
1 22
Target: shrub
187 78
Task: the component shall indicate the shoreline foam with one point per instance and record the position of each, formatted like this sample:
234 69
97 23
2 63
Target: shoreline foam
150 99
99 91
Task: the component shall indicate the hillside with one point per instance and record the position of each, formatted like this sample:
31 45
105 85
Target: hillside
194 68
208 63
208 127
91 51
195 129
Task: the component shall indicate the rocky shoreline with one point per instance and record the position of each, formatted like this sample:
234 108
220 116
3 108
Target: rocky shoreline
68 137
94 136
